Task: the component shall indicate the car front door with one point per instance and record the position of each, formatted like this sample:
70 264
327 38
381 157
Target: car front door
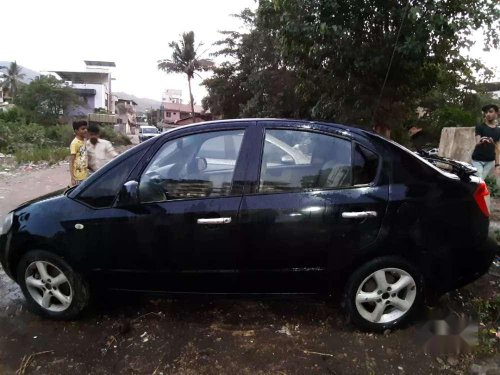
185 229
306 216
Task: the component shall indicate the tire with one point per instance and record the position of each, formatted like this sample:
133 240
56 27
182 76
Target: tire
51 287
373 305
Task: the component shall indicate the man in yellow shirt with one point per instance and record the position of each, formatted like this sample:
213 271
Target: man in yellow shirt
78 164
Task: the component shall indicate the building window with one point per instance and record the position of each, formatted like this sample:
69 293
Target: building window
169 114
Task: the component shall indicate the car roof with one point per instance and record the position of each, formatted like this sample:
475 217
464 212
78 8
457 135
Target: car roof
349 128
148 126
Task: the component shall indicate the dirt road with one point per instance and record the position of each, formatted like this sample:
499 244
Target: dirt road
27 183
214 335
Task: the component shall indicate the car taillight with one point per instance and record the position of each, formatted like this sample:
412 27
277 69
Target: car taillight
481 196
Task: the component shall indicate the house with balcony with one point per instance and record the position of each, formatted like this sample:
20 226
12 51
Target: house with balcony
93 87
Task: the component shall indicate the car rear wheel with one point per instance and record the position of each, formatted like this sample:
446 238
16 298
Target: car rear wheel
383 294
51 287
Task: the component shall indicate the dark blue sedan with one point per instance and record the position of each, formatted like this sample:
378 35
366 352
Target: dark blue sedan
257 206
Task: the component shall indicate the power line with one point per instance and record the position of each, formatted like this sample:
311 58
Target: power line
405 12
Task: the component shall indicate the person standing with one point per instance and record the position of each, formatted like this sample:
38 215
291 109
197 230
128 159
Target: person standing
78 165
100 151
486 153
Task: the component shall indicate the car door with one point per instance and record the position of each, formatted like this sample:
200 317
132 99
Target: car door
183 236
304 217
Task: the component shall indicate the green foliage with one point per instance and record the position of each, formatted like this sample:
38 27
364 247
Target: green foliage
11 78
328 59
118 139
48 154
34 142
44 100
489 314
13 114
493 188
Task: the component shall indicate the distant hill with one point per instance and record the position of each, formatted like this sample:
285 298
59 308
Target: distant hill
30 75
142 103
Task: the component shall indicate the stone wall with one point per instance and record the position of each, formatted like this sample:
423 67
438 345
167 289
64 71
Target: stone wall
457 143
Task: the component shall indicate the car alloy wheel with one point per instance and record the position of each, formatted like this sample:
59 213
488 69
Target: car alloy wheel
51 286
386 295
383 293
48 286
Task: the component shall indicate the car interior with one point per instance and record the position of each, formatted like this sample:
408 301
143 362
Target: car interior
329 168
183 173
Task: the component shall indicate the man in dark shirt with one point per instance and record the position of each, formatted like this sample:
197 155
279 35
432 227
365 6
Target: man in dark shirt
486 153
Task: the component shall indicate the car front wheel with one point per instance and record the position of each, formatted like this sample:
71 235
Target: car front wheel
51 287
383 294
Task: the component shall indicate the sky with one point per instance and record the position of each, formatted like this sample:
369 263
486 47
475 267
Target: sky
59 34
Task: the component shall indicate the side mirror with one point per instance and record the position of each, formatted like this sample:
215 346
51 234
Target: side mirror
129 194
287 159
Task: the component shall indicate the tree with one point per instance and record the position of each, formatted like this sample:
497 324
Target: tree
255 81
44 99
185 60
331 57
12 78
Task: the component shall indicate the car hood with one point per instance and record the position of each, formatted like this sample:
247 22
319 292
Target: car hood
42 198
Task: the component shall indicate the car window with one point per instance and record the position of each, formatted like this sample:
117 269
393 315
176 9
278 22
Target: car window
221 147
194 166
364 165
103 191
304 161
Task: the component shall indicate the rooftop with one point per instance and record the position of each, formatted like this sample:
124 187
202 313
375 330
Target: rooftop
81 77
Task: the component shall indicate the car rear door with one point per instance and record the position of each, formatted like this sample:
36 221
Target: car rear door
304 218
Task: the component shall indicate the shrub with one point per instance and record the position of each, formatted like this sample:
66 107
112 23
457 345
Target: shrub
117 139
34 142
62 135
494 189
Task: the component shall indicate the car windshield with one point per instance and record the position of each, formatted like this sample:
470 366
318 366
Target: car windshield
149 130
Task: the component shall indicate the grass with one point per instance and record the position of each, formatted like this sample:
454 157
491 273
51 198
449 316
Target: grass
51 155
489 318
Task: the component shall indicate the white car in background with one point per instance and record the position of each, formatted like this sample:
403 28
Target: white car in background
147 132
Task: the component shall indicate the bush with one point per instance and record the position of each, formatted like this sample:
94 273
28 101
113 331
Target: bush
50 143
494 189
117 139
62 135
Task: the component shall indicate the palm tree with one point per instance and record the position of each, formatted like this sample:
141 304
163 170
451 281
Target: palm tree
185 60
12 78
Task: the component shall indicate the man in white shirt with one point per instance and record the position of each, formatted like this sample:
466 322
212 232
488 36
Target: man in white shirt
99 151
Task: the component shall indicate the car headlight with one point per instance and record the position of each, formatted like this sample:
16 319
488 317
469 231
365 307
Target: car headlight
7 223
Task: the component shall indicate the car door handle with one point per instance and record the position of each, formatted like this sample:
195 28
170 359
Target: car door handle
359 215
217 221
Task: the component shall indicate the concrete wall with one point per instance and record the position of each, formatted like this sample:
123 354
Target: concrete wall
100 93
457 143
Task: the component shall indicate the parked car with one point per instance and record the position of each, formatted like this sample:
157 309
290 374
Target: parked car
226 207
147 132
